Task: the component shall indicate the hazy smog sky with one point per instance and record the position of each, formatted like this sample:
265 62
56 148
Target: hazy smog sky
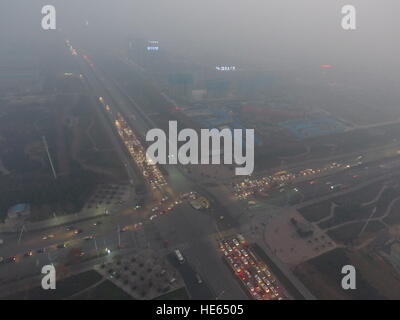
269 34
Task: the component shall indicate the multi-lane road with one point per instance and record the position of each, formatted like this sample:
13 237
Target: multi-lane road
183 227
195 233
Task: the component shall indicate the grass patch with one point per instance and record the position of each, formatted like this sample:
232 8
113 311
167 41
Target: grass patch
178 294
104 291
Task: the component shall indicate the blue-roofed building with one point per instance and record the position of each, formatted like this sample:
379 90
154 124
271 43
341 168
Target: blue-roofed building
19 211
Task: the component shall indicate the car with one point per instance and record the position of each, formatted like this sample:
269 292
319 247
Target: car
199 280
97 223
250 286
153 217
114 274
235 242
237 267
42 250
241 239
154 209
61 246
48 236
68 228
78 231
1 259
124 229
265 287
264 277
336 186
89 238
258 279
28 254
10 260
179 256
137 225
173 280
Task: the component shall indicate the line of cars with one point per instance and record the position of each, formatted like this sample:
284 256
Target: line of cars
251 272
163 207
264 184
150 172
30 253
158 210
27 254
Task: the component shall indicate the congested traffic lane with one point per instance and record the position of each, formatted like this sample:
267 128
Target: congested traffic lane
310 183
343 180
150 172
253 274
130 123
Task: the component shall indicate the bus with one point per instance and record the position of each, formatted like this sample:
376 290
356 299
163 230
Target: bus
179 256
